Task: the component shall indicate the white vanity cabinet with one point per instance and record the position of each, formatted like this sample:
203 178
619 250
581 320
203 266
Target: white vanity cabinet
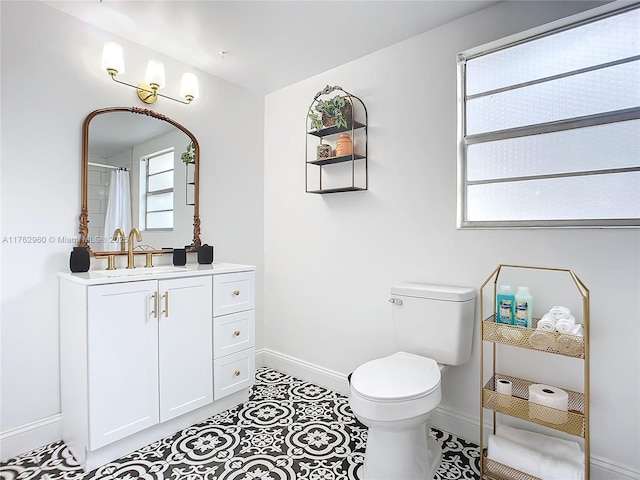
149 354
140 354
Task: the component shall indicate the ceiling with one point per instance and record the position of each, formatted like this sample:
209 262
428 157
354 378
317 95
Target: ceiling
269 44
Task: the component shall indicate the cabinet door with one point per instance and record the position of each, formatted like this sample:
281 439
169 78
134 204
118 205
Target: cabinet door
233 292
123 360
186 348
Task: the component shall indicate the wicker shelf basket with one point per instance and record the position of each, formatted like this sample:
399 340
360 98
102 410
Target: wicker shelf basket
518 405
532 338
498 471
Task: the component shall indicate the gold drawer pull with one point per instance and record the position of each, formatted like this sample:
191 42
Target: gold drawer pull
237 373
166 304
236 292
236 333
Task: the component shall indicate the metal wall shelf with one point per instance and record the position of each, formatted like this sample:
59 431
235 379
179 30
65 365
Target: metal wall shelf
353 179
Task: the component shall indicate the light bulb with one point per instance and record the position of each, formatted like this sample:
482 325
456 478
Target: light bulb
189 86
155 73
112 58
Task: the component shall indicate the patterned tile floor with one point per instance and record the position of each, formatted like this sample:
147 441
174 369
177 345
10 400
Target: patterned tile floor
289 429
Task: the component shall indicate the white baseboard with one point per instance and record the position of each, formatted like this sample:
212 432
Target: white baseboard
26 438
306 371
455 422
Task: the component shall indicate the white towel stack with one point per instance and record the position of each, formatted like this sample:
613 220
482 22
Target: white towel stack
542 456
559 319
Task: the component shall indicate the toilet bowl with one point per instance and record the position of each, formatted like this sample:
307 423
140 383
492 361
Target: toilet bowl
394 397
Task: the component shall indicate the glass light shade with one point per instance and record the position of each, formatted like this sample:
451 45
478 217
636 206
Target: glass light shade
112 58
155 73
189 86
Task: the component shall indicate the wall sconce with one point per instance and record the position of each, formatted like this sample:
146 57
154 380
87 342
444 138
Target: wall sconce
113 63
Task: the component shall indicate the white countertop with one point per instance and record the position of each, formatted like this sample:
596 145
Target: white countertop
101 277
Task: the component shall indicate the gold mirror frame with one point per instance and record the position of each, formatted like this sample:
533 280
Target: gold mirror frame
84 215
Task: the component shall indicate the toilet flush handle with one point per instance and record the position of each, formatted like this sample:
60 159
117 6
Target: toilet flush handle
395 301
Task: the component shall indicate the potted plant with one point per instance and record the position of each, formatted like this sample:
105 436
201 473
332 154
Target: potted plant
336 111
190 155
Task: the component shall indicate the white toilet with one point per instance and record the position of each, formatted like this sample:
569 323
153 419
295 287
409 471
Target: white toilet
395 396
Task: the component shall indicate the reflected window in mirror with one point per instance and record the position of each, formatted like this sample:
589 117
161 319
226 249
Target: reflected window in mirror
156 190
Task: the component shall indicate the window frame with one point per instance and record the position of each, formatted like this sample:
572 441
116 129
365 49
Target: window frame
146 194
548 29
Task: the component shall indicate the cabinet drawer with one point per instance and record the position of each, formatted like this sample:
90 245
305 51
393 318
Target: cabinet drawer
233 292
233 372
233 333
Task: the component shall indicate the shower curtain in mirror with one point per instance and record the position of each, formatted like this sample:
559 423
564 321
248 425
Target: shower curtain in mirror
118 207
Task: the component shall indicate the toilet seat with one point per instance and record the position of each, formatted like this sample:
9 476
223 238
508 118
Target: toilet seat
398 377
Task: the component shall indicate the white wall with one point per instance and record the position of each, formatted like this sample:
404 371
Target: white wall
330 259
51 79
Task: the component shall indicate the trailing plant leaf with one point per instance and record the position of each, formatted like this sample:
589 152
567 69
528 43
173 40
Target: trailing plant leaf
190 155
333 108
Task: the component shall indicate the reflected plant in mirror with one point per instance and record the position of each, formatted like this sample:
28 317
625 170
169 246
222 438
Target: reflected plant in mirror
137 173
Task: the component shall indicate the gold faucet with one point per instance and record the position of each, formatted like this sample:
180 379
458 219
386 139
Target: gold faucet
118 232
130 261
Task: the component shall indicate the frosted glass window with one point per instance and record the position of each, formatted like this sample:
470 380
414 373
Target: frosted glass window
595 43
160 181
159 220
598 91
163 201
574 198
550 127
614 145
161 163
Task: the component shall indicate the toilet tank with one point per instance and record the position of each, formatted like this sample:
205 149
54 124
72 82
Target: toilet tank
434 321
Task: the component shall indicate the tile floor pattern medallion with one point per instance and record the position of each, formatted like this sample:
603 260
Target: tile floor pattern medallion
288 429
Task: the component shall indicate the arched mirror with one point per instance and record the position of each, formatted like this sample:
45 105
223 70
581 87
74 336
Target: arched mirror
139 169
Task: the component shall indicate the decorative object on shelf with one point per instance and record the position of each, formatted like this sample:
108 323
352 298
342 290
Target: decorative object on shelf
343 119
189 156
113 63
336 111
344 145
179 257
324 151
205 254
79 260
551 406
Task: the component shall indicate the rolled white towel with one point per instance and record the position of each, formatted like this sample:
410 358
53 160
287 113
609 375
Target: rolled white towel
547 323
577 330
531 461
559 312
547 444
566 325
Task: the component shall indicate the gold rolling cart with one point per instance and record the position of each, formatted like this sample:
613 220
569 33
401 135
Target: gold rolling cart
517 405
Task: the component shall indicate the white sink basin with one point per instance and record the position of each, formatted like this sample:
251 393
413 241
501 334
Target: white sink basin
129 272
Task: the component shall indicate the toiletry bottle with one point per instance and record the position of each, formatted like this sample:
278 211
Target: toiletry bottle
524 302
505 305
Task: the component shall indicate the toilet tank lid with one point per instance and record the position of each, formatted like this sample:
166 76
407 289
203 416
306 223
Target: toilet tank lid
435 292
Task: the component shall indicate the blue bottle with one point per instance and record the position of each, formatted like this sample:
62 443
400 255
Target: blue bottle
524 302
505 305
